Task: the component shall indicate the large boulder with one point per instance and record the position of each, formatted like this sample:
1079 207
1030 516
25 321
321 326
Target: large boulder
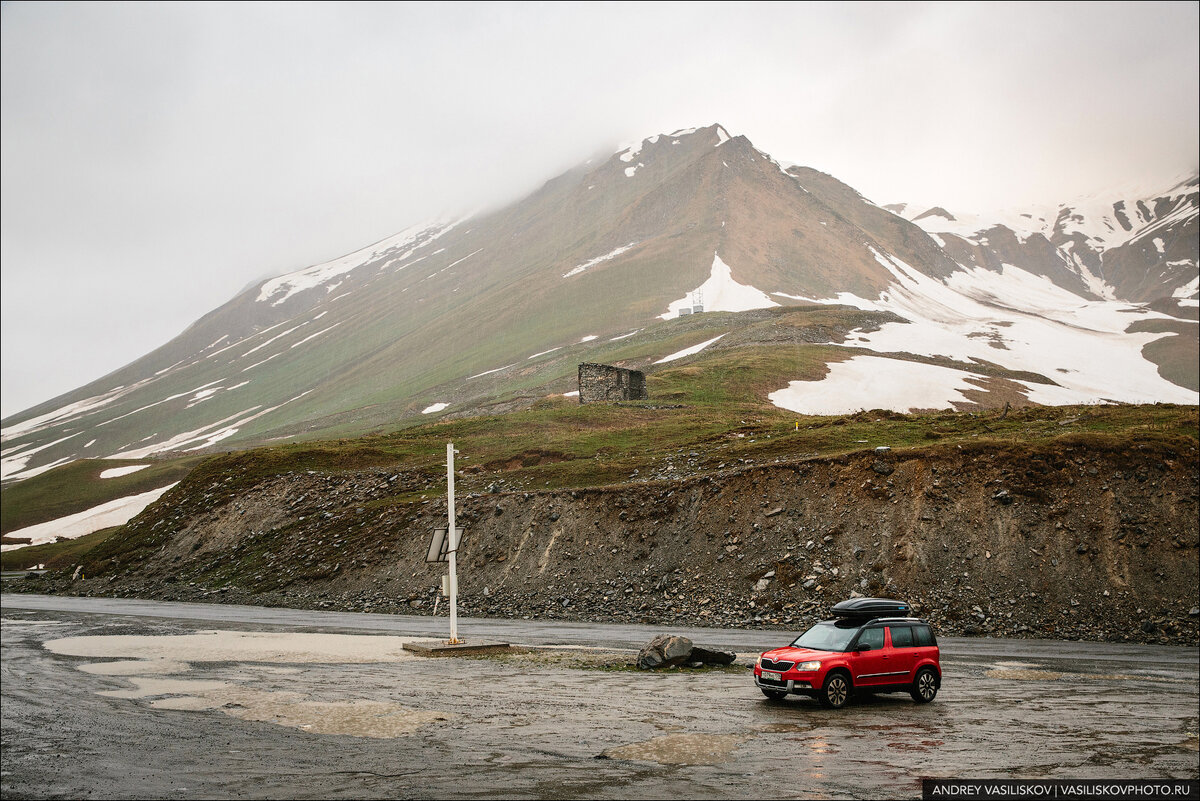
665 650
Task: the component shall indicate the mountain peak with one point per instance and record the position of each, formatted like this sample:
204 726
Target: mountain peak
604 252
936 211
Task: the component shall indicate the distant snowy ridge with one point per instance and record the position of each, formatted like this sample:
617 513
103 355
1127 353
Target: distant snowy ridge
1108 220
1014 319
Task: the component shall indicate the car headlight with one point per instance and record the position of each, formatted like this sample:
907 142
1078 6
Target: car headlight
806 667
758 662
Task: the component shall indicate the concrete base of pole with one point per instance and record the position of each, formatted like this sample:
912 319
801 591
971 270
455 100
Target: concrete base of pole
455 649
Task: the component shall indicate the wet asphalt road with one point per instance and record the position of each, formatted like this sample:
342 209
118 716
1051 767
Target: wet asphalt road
518 728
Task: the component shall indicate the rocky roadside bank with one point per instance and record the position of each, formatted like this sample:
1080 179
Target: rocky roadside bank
1072 541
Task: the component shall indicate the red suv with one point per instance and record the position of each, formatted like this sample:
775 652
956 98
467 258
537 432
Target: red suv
870 646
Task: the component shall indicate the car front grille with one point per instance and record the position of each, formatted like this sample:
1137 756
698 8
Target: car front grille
778 667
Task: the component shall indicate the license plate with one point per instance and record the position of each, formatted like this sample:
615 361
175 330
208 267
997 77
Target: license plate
769 676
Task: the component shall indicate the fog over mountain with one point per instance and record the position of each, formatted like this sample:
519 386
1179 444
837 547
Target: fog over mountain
684 245
158 157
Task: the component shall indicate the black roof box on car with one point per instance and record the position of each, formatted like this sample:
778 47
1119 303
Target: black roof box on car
866 608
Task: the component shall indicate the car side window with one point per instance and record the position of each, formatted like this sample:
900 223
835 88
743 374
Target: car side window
924 635
871 637
902 637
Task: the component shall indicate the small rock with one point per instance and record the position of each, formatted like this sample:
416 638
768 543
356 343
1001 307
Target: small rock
712 657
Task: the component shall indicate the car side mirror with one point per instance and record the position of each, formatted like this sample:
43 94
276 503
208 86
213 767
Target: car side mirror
862 647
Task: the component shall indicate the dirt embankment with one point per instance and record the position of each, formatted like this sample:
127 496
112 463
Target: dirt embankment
1076 540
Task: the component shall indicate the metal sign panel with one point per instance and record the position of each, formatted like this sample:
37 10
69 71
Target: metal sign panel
439 547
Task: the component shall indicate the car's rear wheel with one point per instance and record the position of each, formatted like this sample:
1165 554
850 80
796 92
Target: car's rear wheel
836 691
774 695
924 688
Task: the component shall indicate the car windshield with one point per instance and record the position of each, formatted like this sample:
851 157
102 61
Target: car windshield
828 636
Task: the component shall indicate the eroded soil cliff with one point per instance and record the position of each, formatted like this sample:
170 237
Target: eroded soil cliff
1078 538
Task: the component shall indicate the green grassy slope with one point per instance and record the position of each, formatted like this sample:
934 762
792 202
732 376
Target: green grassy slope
707 413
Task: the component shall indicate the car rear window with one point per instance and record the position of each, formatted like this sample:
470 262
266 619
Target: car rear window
924 636
902 636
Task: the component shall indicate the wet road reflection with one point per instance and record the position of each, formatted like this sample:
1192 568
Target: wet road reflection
154 713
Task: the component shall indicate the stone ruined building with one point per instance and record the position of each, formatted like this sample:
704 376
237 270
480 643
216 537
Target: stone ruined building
603 383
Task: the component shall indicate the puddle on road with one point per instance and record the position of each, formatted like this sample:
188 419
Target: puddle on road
376 719
135 667
681 749
149 687
144 660
1054 675
1012 665
239 646
782 728
1023 675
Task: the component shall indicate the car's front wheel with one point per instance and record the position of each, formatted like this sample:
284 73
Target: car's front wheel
774 695
836 691
924 687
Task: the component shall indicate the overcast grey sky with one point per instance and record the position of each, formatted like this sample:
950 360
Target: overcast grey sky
158 157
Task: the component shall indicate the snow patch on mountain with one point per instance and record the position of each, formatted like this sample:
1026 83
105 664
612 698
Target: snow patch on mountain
688 351
279 289
434 408
71 410
37 471
264 361
116 472
207 435
13 464
311 337
937 220
489 372
612 254
1021 322
160 402
864 381
721 293
272 339
1103 220
632 151
112 513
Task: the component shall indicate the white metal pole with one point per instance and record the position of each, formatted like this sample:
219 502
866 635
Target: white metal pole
452 533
